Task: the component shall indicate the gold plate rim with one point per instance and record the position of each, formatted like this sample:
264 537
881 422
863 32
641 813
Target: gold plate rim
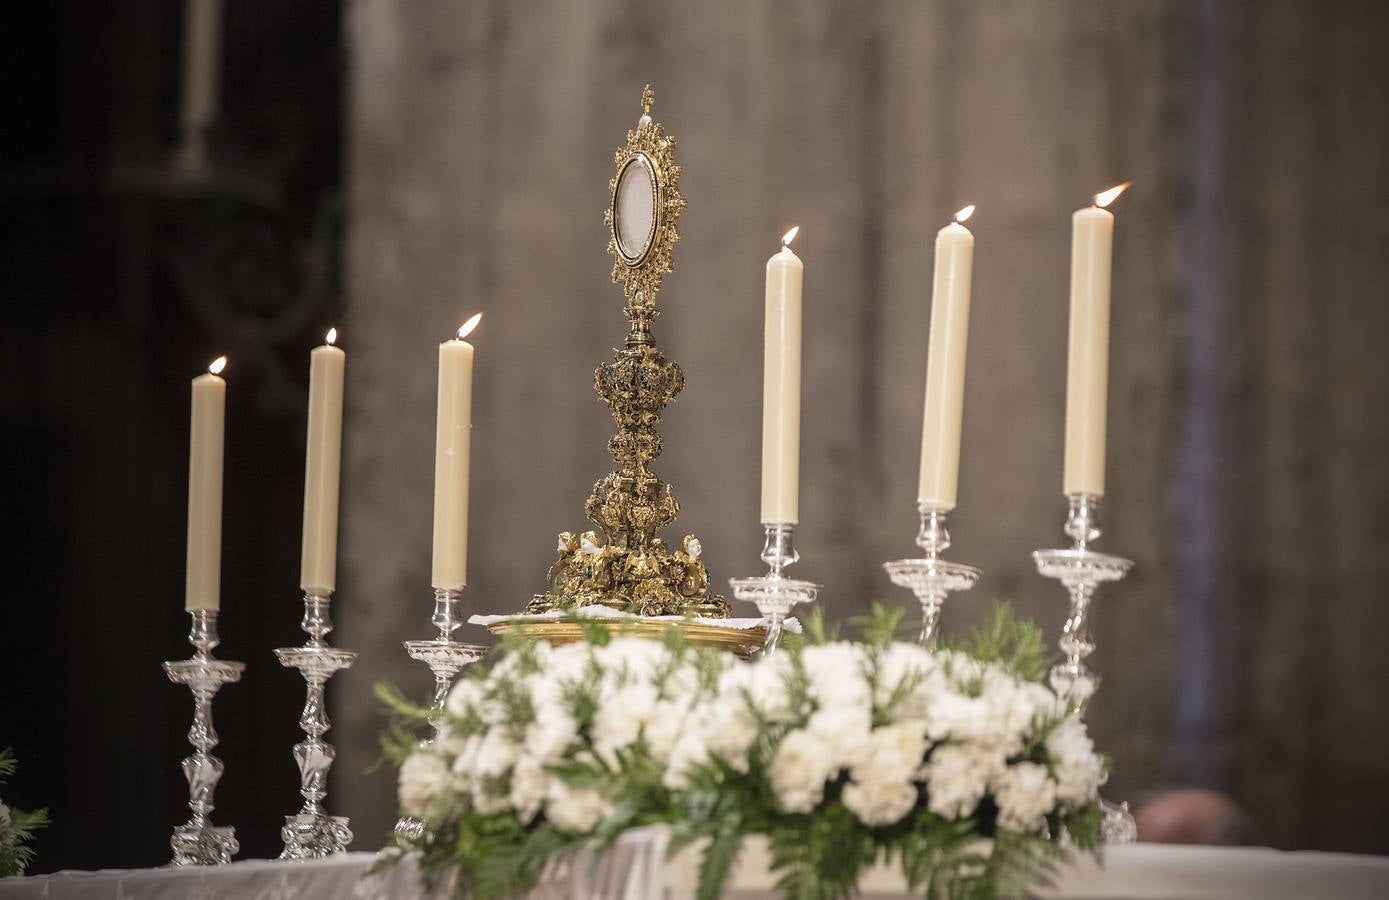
739 640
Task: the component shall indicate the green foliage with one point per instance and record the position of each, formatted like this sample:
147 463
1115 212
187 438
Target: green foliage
820 856
595 632
879 627
813 627
15 854
1084 826
404 725
1003 638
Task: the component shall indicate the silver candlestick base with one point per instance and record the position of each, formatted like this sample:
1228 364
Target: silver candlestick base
774 594
445 658
198 842
1082 570
312 833
932 579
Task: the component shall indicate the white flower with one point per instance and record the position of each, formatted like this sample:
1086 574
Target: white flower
564 665
682 683
729 731
1024 795
575 809
635 658
836 674
762 684
423 777
898 662
689 751
489 797
664 728
530 785
550 735
903 664
878 799
898 750
621 718
1044 702
845 731
957 777
1078 769
464 696
998 718
465 757
496 754
800 768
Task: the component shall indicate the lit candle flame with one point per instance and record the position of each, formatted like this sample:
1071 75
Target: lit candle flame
790 236
468 326
1104 198
964 214
332 337
217 365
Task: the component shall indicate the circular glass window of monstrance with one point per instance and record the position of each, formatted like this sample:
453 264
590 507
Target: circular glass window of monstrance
634 209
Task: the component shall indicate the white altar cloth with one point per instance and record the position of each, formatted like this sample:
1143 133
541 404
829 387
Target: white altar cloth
636 870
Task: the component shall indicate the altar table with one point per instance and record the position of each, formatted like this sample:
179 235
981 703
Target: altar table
637 870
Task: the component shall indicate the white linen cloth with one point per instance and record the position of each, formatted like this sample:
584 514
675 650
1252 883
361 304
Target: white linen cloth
636 869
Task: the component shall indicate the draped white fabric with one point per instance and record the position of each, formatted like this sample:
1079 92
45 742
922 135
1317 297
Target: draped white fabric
636 869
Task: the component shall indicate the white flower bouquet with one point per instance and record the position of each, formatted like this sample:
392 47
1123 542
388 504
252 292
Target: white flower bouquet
959 765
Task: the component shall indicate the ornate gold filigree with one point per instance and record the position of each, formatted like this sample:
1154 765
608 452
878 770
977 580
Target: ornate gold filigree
650 144
623 563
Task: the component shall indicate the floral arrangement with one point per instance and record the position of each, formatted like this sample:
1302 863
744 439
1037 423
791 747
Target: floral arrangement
958 765
16 826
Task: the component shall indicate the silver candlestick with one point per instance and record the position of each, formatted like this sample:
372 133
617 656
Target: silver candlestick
1081 570
774 593
312 833
198 842
932 579
445 658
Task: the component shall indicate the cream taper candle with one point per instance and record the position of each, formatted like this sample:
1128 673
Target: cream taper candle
201 84
945 364
781 387
1087 370
318 562
203 582
452 448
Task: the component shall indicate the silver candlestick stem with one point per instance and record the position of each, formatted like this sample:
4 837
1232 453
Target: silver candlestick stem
774 593
445 658
932 579
198 842
312 833
1082 570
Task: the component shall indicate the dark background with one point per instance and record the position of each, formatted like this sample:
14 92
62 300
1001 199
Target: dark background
121 276
431 159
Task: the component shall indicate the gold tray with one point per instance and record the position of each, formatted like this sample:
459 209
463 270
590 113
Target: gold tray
740 641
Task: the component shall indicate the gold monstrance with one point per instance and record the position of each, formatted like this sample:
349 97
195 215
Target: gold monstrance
623 563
